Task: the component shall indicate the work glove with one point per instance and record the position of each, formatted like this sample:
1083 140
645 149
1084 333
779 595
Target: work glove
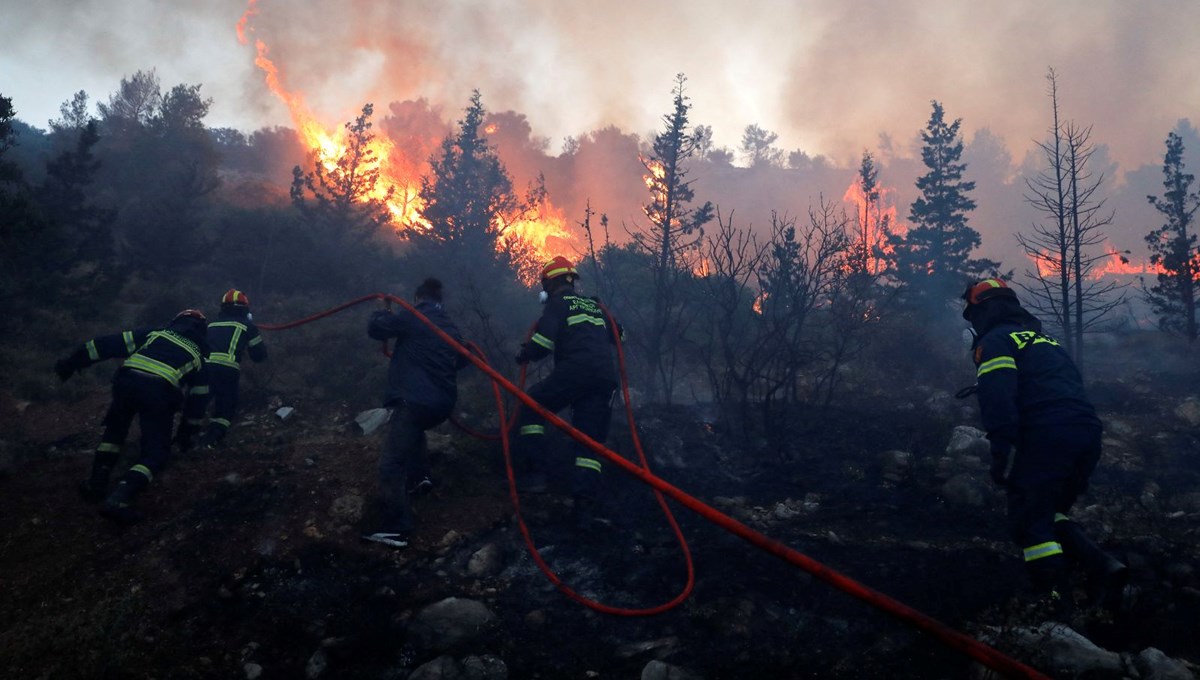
65 369
523 355
1001 454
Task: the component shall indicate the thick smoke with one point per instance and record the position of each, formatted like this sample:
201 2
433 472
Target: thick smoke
828 76
831 78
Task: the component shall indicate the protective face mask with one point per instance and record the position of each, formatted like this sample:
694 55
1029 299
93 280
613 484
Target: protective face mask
249 316
969 336
543 297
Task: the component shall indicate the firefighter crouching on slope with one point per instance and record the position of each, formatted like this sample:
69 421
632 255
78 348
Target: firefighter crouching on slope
164 368
422 391
1045 441
575 330
231 338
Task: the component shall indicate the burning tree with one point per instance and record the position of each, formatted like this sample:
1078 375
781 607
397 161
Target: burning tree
344 188
672 237
1173 246
1067 193
341 200
469 200
932 258
874 225
472 212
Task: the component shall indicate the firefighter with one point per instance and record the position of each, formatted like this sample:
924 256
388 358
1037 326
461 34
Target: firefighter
231 338
164 370
1045 441
575 330
422 390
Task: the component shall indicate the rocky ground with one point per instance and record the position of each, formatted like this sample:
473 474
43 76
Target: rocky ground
249 563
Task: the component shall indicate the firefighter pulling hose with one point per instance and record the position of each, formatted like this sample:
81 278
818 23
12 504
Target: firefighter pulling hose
947 636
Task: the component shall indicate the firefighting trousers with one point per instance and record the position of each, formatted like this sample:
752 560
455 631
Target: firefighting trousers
591 412
404 462
223 387
154 402
1051 470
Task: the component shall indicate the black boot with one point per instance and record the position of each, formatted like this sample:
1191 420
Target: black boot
1048 577
94 488
119 504
1107 576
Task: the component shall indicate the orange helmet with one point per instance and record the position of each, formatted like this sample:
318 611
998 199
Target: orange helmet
234 296
559 266
987 289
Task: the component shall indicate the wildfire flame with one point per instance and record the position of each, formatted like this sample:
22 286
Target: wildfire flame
1114 263
399 179
876 221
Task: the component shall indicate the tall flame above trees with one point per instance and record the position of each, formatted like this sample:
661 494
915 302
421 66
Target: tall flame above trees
875 215
537 231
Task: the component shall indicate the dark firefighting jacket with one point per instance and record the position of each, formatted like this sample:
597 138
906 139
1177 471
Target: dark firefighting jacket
1025 378
174 354
575 330
233 337
423 367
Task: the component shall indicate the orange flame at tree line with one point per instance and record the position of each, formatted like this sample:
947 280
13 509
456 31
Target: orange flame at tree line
872 219
400 176
1115 263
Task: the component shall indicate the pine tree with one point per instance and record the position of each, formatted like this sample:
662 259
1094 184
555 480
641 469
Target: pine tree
674 232
933 258
1173 246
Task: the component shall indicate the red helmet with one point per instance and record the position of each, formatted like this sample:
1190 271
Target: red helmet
234 296
987 289
191 314
559 266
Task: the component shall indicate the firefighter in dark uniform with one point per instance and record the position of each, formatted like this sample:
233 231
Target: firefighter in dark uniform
164 370
231 338
422 391
1045 441
574 329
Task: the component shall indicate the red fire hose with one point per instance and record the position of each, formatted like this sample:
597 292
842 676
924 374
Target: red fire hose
949 637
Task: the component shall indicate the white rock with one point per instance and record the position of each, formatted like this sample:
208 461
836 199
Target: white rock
285 412
372 419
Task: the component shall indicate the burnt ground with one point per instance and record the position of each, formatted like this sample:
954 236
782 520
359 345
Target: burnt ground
251 553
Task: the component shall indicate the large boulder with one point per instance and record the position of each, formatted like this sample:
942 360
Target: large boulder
1061 651
968 441
451 624
1152 664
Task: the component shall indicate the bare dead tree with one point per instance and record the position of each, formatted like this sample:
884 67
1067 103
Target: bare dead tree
799 276
1063 248
730 349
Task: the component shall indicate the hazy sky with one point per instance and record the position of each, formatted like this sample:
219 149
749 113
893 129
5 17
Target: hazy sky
828 75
